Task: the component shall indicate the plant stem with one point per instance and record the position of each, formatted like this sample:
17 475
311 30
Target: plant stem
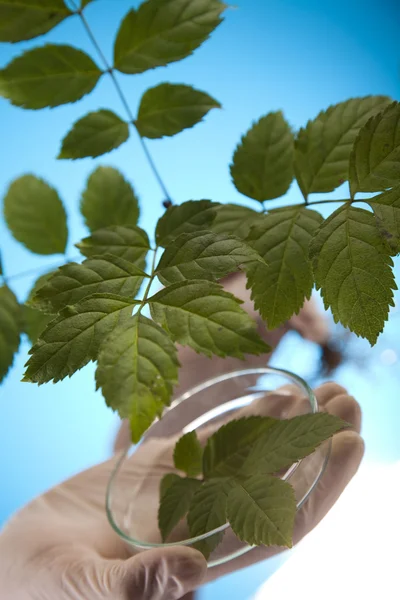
110 70
152 275
328 201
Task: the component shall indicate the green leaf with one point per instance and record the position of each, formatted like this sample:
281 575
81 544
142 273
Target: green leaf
261 510
288 441
163 31
207 511
262 166
202 315
73 282
188 454
167 481
129 242
204 255
109 199
84 3
168 109
353 271
137 369
234 219
9 329
188 217
282 238
27 19
386 208
35 215
73 339
48 76
95 134
228 448
375 158
323 147
175 504
35 321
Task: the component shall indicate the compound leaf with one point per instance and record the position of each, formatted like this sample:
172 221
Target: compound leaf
35 215
73 339
95 134
168 109
48 76
109 199
128 242
163 31
137 369
261 510
234 219
188 217
73 282
26 19
323 147
204 255
175 503
375 158
282 238
228 448
202 315
262 166
10 318
353 270
188 454
386 208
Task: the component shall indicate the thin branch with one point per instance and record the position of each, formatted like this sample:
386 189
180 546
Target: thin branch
109 69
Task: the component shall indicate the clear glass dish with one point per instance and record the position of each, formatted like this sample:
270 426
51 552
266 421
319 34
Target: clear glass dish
133 489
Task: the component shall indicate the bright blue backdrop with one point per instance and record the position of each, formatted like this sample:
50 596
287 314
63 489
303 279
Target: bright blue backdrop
295 55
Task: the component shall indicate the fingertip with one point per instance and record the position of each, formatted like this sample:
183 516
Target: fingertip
348 449
347 408
327 391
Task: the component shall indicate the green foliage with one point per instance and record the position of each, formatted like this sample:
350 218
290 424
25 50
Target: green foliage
208 511
163 31
129 242
375 159
234 218
175 504
282 238
238 485
167 481
48 76
168 109
262 166
289 440
353 270
34 321
73 282
228 448
27 19
73 339
188 454
35 215
283 251
109 199
9 330
137 368
261 510
204 255
95 134
202 315
323 147
386 207
188 217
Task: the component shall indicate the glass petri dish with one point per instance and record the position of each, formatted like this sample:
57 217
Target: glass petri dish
133 489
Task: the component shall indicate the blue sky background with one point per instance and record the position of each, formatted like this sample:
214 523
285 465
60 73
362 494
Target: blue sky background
295 55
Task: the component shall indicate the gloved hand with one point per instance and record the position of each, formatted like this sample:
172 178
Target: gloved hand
61 547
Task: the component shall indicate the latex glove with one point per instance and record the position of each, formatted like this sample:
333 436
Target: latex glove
61 547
